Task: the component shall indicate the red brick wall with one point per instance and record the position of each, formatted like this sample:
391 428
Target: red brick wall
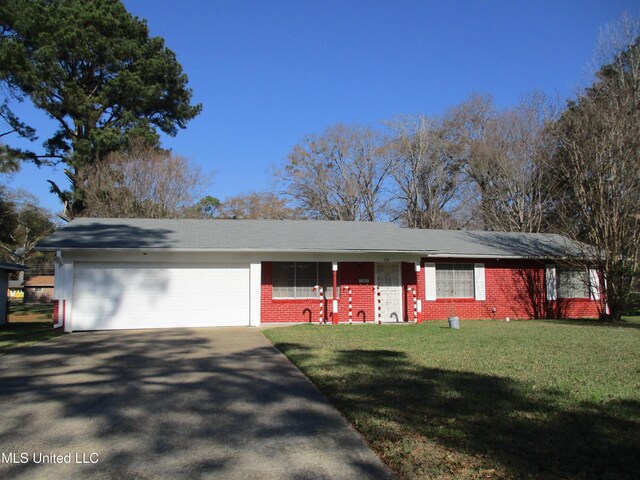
363 295
31 296
575 308
514 289
285 310
298 310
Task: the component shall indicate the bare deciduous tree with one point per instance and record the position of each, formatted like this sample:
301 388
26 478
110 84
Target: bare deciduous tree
22 225
339 175
465 124
509 168
143 182
257 205
505 161
426 171
467 121
598 167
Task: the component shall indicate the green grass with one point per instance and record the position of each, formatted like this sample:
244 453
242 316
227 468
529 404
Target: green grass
24 308
530 399
16 337
30 312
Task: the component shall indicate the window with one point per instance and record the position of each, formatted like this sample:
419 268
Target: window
454 280
297 279
38 289
573 284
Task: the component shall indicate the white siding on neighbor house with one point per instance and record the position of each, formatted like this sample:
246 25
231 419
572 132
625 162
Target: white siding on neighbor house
152 295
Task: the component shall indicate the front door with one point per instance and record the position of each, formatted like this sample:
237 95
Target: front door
389 283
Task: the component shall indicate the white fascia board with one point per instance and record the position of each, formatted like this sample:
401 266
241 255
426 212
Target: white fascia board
497 257
230 257
236 250
267 252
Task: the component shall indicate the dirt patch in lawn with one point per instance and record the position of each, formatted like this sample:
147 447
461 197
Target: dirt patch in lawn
30 313
28 318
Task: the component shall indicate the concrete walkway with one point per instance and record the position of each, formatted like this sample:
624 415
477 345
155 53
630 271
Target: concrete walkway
184 403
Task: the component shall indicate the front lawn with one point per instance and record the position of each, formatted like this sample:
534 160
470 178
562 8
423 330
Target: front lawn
30 312
16 337
529 399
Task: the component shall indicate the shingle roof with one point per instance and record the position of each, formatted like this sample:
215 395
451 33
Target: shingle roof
40 281
295 236
461 243
234 235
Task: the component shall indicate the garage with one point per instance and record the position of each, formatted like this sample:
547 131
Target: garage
129 296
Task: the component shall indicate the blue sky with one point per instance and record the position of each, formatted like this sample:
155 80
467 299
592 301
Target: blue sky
269 72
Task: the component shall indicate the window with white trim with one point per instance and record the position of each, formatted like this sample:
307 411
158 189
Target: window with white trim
297 279
455 280
573 284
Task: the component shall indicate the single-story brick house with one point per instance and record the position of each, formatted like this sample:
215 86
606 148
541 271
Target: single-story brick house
148 273
39 289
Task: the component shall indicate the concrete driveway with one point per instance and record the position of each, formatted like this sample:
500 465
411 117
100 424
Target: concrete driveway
188 403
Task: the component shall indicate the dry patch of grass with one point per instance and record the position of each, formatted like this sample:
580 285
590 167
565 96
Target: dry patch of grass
531 399
30 312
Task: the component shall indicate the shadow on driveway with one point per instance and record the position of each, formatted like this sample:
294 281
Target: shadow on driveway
186 403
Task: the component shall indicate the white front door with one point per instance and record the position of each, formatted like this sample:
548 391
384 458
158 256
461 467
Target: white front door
389 283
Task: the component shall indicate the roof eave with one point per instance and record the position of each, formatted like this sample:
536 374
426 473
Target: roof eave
230 250
14 267
497 256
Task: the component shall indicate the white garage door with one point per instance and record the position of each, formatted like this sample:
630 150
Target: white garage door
117 296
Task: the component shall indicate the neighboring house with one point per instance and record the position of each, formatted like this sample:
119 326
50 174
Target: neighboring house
147 273
39 289
16 290
5 268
